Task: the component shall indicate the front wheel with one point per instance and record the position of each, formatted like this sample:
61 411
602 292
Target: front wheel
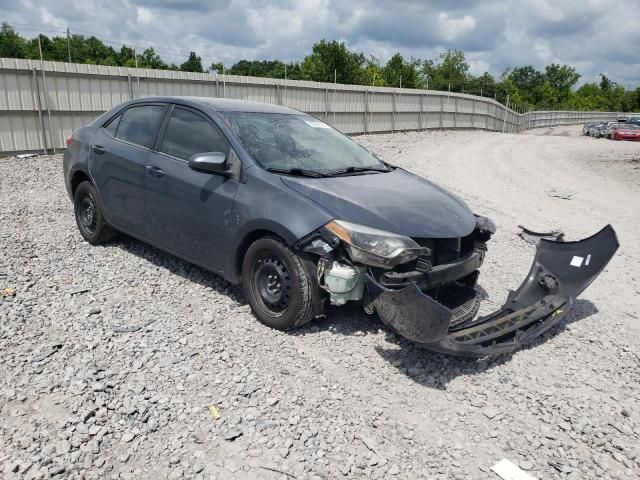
276 285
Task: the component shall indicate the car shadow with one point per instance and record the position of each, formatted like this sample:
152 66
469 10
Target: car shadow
415 362
427 368
177 266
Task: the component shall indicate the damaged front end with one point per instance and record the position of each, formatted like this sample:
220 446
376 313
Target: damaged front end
425 289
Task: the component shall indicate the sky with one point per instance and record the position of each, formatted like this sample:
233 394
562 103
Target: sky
594 36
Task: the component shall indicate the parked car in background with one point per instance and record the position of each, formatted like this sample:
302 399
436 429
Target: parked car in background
302 216
587 127
607 128
629 131
594 130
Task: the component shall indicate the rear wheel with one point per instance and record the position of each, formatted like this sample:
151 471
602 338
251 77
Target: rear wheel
276 284
89 217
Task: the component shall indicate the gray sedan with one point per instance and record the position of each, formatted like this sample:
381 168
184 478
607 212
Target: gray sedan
302 216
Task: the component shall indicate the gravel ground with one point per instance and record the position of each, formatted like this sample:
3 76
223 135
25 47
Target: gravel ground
110 357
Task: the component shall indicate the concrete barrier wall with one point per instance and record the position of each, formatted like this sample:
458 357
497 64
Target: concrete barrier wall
41 103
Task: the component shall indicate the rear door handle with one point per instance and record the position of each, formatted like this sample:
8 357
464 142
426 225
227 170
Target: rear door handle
98 149
155 171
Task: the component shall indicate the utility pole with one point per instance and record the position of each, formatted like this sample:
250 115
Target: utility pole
46 100
135 56
69 44
335 75
504 118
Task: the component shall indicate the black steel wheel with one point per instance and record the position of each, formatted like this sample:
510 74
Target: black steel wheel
272 281
276 284
89 217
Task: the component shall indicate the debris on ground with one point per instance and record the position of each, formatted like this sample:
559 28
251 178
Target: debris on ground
47 352
214 412
561 194
510 471
533 237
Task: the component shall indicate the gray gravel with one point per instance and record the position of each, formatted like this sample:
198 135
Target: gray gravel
111 357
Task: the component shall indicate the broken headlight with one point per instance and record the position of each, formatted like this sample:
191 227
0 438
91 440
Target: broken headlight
372 246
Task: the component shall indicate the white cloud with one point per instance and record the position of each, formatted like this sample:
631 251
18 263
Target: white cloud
144 15
452 28
494 34
48 18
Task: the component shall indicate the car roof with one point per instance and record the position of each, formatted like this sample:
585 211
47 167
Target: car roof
224 104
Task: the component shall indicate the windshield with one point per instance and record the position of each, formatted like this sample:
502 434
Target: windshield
284 142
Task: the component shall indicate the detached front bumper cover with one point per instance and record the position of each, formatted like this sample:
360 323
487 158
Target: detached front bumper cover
560 272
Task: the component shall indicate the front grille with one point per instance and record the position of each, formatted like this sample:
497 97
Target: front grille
446 250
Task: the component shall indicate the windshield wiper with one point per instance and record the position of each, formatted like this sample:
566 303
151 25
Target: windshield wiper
350 170
302 172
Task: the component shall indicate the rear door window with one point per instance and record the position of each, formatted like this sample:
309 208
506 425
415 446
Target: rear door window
188 133
139 125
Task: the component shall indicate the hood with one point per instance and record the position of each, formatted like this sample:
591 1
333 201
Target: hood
397 201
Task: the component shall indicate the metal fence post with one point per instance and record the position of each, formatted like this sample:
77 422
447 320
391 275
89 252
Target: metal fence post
455 112
441 121
130 86
393 112
420 114
43 131
366 111
473 113
326 105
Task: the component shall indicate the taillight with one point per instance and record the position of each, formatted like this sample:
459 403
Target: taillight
69 140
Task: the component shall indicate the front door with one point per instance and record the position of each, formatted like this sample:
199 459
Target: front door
188 211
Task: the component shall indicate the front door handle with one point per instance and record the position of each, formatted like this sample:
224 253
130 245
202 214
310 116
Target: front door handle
155 171
98 149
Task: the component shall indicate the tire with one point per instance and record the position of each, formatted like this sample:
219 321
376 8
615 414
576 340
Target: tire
276 285
89 216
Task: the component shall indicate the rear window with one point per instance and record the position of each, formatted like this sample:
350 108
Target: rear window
139 125
188 133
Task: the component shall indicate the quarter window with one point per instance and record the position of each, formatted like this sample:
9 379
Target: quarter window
112 126
139 125
188 133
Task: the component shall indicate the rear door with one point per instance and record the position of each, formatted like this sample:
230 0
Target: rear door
120 154
188 211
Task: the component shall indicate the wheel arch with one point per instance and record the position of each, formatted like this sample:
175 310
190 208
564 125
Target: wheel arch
246 242
77 178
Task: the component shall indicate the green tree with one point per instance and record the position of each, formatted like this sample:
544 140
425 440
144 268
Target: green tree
150 59
484 85
330 60
398 73
12 45
218 67
372 73
193 64
561 78
450 69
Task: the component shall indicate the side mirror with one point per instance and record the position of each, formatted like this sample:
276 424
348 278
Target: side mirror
211 162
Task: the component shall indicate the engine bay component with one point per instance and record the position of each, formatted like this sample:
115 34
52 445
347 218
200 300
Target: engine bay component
343 282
